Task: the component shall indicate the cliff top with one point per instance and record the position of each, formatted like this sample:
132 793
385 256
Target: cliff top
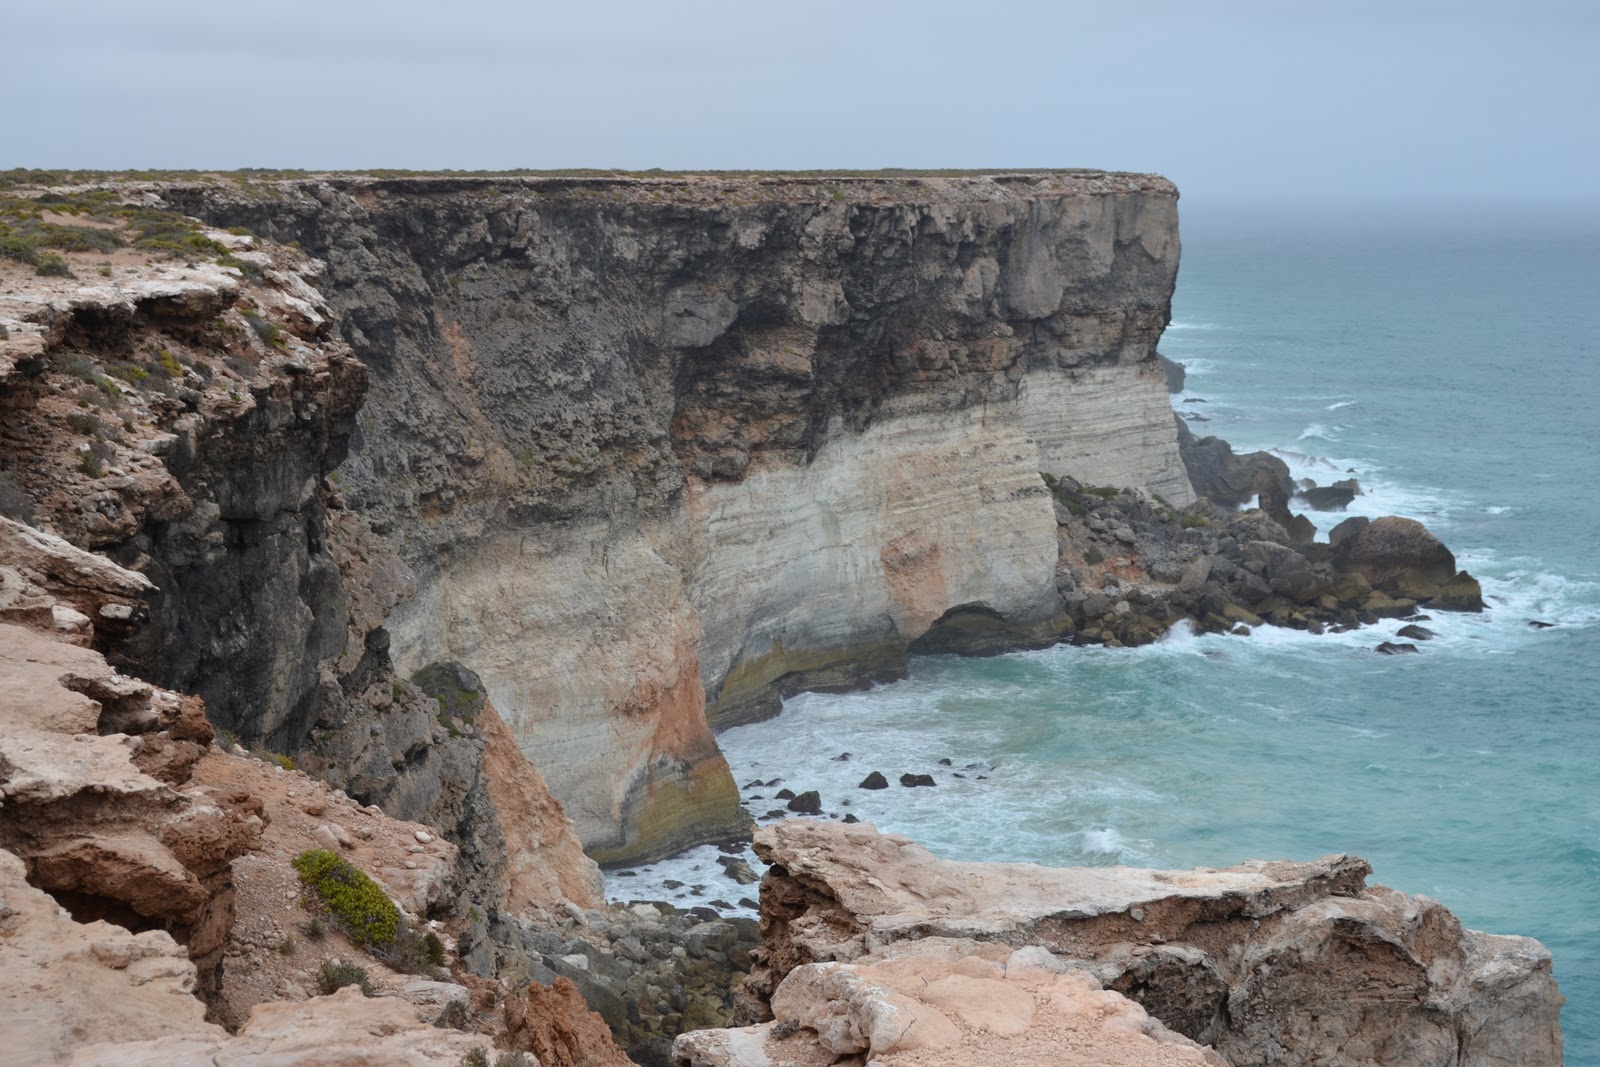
880 186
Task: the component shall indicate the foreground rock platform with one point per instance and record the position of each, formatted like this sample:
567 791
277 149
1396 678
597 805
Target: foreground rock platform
1282 963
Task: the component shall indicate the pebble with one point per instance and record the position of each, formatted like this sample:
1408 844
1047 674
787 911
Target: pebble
423 836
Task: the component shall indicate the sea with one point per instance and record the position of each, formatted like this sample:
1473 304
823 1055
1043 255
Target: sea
1446 358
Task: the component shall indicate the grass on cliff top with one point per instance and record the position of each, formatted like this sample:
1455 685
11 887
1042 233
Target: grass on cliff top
36 229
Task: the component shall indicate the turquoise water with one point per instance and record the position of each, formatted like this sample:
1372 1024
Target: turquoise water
1450 365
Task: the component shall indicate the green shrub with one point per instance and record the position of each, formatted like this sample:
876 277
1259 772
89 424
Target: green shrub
357 903
128 372
433 950
1093 556
51 265
1191 521
336 974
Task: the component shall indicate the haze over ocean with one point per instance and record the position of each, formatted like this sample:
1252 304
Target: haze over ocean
1445 360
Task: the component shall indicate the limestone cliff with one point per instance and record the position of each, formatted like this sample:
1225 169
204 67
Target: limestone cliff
661 451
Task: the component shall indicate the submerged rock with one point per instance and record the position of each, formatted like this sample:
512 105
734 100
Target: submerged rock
1416 633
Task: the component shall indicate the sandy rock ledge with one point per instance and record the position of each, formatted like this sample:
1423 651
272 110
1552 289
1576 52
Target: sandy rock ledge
876 951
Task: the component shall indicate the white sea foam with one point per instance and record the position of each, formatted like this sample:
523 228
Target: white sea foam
1107 842
1318 431
1341 404
1193 365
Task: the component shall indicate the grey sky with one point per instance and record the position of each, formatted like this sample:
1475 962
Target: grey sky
1413 99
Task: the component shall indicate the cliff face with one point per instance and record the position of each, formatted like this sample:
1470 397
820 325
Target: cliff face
659 452
183 418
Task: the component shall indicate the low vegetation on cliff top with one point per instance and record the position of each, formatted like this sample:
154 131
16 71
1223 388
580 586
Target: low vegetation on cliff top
37 229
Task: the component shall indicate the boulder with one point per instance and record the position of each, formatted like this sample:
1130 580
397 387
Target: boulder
738 870
1348 528
1335 497
875 780
956 1003
807 803
1225 478
1397 648
913 780
1402 558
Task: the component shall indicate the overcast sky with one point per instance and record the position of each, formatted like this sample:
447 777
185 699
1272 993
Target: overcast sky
1235 99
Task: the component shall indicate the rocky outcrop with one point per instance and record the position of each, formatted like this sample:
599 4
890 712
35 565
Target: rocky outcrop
950 1003
180 419
1292 963
52 968
664 450
555 1024
1132 567
145 874
95 797
48 584
342 1030
1226 479
1400 557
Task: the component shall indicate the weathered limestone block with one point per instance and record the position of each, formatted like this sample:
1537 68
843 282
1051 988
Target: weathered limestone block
1293 963
343 1030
